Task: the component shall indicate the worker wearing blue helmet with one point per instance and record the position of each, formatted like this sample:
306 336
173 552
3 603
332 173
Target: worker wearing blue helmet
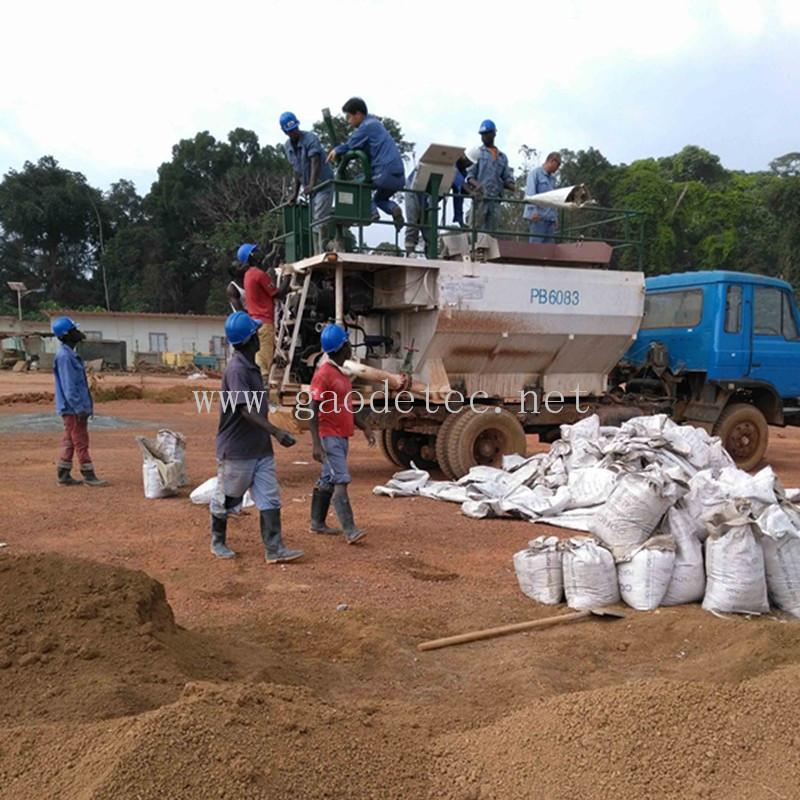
244 446
487 178
307 158
388 172
73 404
332 425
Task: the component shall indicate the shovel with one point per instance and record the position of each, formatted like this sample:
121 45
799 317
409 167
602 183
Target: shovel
490 633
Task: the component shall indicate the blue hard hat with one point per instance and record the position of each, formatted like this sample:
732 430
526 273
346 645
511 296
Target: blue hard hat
487 126
289 122
333 337
244 251
62 326
239 327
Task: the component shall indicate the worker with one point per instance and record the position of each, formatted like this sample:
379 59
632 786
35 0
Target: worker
460 177
417 205
487 178
542 220
305 154
73 404
235 289
332 426
244 446
386 163
261 294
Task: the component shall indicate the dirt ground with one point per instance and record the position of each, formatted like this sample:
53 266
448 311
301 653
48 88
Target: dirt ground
206 678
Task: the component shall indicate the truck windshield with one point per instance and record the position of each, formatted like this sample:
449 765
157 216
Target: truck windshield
680 309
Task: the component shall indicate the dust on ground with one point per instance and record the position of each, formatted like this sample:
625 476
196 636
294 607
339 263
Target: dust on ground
243 680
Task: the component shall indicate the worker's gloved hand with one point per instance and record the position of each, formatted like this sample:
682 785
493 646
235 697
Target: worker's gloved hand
318 454
285 439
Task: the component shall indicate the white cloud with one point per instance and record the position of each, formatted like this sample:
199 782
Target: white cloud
113 87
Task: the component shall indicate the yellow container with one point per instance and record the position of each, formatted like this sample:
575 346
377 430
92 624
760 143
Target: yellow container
184 359
169 359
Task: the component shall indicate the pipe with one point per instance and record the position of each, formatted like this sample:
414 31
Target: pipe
396 382
339 287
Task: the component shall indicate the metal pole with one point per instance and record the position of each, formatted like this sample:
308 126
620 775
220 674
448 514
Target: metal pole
19 304
102 250
339 287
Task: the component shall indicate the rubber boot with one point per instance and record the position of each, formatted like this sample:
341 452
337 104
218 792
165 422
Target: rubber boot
397 216
275 550
320 503
89 478
65 478
341 504
219 528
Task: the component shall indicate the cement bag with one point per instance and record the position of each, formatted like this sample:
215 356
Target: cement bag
160 477
736 581
781 543
632 511
688 583
539 570
645 573
202 495
173 445
590 577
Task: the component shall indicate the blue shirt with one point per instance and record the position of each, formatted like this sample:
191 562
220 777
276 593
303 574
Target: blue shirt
371 137
300 155
540 181
72 388
492 173
236 437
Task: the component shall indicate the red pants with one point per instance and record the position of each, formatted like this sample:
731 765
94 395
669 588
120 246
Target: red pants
76 438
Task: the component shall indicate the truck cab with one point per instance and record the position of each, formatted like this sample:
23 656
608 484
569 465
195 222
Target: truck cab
724 348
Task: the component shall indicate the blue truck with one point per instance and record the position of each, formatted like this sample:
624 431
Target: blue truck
719 350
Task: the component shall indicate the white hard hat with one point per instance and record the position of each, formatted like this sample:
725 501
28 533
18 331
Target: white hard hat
473 154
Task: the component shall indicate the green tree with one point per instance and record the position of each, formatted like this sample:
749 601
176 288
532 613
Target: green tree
787 165
50 233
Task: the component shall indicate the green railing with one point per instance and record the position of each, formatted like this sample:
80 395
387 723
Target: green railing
351 213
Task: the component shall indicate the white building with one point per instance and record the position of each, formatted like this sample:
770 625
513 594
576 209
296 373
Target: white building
148 335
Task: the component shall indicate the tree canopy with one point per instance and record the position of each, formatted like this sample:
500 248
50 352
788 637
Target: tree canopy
170 250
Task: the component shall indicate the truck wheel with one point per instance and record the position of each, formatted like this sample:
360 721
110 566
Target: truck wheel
443 438
483 439
385 443
403 447
744 433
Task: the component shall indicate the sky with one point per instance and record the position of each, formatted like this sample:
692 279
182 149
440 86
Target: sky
108 88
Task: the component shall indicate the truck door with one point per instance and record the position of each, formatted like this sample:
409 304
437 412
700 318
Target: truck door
775 344
732 345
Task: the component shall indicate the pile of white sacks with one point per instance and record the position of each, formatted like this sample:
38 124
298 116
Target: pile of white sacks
669 518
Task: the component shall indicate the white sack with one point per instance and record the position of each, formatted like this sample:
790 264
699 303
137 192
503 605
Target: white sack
154 488
539 572
781 543
590 577
645 573
736 580
202 495
633 511
173 445
688 583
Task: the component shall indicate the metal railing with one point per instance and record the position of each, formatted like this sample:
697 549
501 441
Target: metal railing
622 229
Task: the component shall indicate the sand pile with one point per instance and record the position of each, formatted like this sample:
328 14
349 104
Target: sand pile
653 738
81 641
100 698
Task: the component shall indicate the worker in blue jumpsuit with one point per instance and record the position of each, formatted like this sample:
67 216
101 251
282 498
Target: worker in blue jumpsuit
305 154
542 220
388 172
487 178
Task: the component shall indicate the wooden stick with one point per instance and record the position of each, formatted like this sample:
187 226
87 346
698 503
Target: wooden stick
490 633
